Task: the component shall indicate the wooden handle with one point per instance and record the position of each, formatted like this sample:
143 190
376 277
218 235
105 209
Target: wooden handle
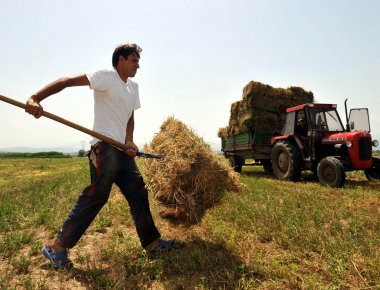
68 123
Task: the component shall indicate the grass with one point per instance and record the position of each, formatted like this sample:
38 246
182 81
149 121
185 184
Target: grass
273 235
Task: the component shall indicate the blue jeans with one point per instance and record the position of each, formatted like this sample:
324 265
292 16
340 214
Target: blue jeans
111 166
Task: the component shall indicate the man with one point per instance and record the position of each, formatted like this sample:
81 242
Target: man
301 133
301 128
116 97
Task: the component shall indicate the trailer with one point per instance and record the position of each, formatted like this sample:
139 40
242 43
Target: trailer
254 144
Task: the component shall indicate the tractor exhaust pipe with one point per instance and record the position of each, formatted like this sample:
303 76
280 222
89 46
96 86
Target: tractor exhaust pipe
80 128
347 121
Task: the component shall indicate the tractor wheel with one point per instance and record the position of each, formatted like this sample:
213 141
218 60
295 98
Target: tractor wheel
286 161
372 174
236 163
331 172
267 165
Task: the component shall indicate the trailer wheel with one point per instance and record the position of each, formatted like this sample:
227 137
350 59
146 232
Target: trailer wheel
331 172
286 161
236 163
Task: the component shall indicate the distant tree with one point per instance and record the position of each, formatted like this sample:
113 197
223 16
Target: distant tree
81 153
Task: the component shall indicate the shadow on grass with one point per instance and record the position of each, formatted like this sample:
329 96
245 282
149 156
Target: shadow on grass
257 173
92 277
362 183
196 264
206 264
310 177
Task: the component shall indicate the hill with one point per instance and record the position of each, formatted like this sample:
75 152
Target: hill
66 150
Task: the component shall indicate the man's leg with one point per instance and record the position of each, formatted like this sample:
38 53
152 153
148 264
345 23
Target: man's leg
104 169
133 188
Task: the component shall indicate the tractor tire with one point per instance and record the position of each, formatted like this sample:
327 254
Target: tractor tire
236 163
286 161
372 174
331 172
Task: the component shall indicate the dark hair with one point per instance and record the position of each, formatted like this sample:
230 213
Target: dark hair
125 50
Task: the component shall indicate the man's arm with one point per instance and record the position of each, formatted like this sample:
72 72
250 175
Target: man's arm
33 106
131 146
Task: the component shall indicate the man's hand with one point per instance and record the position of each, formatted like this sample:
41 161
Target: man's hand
33 107
132 149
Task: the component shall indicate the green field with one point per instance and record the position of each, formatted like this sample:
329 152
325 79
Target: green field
272 235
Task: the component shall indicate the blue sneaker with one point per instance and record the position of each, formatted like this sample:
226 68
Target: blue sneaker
59 260
163 246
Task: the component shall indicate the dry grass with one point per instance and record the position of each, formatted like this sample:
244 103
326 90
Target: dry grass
192 177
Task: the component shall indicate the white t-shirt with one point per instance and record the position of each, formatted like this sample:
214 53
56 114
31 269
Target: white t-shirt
114 104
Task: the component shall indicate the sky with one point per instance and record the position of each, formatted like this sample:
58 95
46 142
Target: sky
197 57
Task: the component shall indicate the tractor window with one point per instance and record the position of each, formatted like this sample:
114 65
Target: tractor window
359 120
289 124
319 119
333 121
326 120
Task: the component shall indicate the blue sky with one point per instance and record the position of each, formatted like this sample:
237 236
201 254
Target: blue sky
197 56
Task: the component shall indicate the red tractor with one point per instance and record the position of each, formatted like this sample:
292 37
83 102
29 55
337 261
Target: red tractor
315 139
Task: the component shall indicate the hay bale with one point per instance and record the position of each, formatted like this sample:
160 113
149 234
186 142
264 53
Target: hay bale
223 132
266 104
191 177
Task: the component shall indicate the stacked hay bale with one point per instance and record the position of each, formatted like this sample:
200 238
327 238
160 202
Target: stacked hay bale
191 177
263 106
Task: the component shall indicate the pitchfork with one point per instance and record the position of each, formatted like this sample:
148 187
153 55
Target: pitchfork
80 128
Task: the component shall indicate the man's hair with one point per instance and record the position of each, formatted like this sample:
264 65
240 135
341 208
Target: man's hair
125 50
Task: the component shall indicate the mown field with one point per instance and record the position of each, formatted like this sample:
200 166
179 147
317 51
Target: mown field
272 235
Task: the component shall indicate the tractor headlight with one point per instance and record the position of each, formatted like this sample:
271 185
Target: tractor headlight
375 143
348 144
